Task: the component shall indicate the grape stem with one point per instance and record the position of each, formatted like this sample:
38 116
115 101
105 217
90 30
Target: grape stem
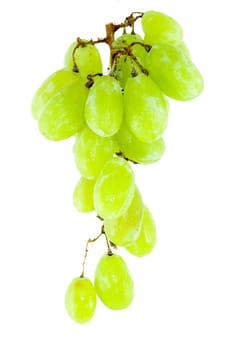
146 46
134 58
107 241
110 28
117 53
121 154
92 240
90 80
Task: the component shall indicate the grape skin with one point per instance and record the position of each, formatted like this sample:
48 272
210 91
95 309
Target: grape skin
146 240
114 189
159 27
83 195
62 116
50 87
104 107
113 283
146 108
174 73
80 300
87 59
184 48
137 151
125 229
92 151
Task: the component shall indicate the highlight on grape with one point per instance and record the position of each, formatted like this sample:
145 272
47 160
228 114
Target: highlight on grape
117 119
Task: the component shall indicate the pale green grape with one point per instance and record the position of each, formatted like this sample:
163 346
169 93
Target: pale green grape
137 151
50 87
83 195
125 65
159 28
146 240
80 300
62 116
92 151
146 109
113 283
104 106
174 73
87 59
126 228
114 189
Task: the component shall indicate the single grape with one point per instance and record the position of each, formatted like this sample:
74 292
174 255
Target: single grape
137 151
174 73
114 189
159 28
92 151
83 195
104 106
125 229
80 300
146 108
50 87
113 283
87 59
146 240
125 65
62 116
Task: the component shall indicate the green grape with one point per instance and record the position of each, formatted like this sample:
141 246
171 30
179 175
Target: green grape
137 151
83 195
159 28
104 106
114 189
51 86
146 240
92 151
87 59
113 283
174 73
125 65
80 300
146 108
126 228
62 116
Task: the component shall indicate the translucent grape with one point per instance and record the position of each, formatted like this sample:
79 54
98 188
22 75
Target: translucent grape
83 195
91 152
159 28
50 87
80 300
146 109
113 283
62 116
87 58
137 151
174 73
104 106
125 65
126 228
114 189
146 240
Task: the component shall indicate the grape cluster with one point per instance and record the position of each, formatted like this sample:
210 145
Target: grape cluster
116 118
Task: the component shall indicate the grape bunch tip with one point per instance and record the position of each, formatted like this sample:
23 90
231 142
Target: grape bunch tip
117 119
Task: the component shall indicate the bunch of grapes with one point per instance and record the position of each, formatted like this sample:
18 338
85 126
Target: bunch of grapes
117 118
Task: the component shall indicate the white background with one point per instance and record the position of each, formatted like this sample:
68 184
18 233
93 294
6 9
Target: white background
183 290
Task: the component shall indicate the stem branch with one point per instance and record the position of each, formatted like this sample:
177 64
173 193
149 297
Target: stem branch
92 240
